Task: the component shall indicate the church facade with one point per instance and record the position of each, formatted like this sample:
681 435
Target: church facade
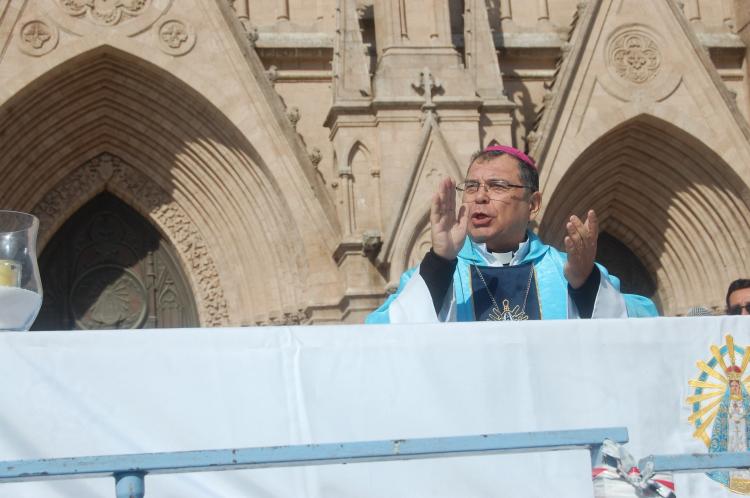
248 162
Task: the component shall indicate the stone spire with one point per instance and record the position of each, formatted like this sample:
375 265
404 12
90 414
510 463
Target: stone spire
481 57
351 64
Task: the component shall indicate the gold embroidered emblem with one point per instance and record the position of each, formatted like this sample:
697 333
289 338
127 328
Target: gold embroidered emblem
721 408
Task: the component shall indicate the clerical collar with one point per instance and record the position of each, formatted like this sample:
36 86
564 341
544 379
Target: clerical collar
502 258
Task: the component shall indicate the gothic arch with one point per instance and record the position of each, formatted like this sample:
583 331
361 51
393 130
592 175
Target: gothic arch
185 161
419 243
670 199
109 173
357 148
366 188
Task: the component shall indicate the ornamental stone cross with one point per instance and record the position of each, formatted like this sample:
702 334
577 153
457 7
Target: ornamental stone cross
427 85
36 35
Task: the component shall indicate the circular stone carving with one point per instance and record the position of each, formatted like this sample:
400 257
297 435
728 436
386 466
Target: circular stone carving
105 12
634 56
109 297
98 17
175 37
37 38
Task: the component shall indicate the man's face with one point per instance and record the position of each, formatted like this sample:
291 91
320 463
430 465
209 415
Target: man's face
740 297
500 221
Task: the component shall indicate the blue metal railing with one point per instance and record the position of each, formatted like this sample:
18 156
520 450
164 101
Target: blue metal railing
696 462
129 471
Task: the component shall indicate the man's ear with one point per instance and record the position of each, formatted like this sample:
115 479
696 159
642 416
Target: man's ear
535 204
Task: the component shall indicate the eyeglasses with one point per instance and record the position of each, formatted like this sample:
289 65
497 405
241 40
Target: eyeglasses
737 309
495 189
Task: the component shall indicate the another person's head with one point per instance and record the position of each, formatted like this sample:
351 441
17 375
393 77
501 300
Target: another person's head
738 297
501 192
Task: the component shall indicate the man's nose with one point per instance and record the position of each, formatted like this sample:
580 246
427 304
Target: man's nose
481 196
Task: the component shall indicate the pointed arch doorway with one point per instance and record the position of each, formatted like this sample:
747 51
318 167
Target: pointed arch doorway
109 268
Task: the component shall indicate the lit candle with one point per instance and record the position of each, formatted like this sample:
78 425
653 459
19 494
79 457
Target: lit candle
10 273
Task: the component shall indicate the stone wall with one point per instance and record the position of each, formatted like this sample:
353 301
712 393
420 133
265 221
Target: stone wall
297 143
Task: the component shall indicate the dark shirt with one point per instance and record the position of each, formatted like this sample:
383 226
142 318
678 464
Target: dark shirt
437 272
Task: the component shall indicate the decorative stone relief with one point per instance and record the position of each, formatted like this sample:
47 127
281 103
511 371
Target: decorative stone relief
105 12
315 156
288 318
111 173
634 56
175 37
272 73
636 66
38 37
97 17
294 116
427 85
107 296
372 241
251 33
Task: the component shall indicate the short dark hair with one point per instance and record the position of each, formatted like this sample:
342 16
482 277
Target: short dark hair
529 174
740 283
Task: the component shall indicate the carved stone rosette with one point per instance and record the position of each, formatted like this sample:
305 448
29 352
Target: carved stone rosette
107 172
37 37
634 56
105 12
175 37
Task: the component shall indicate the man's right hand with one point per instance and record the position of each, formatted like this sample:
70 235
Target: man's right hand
448 229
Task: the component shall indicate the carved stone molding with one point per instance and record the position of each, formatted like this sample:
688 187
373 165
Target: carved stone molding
287 318
107 172
175 37
37 37
634 56
105 12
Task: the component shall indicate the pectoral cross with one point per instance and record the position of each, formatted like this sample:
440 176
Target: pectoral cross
507 314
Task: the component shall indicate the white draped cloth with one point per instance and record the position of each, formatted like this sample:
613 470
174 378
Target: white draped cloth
91 393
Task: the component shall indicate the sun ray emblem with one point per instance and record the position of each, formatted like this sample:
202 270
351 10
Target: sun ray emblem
721 408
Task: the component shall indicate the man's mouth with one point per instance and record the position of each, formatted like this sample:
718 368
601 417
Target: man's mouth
480 219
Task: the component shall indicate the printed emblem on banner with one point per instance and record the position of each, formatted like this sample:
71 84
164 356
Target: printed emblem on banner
721 408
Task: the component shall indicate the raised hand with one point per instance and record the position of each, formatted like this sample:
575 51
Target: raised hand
448 229
580 244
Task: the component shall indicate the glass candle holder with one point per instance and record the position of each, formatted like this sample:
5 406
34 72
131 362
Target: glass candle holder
20 286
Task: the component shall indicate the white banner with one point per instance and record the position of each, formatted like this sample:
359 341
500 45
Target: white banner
93 393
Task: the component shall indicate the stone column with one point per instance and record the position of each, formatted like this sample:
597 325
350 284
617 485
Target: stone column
283 10
347 200
542 10
693 11
441 27
728 14
506 14
242 8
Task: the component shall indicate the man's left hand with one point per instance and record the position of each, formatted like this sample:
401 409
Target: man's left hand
580 244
